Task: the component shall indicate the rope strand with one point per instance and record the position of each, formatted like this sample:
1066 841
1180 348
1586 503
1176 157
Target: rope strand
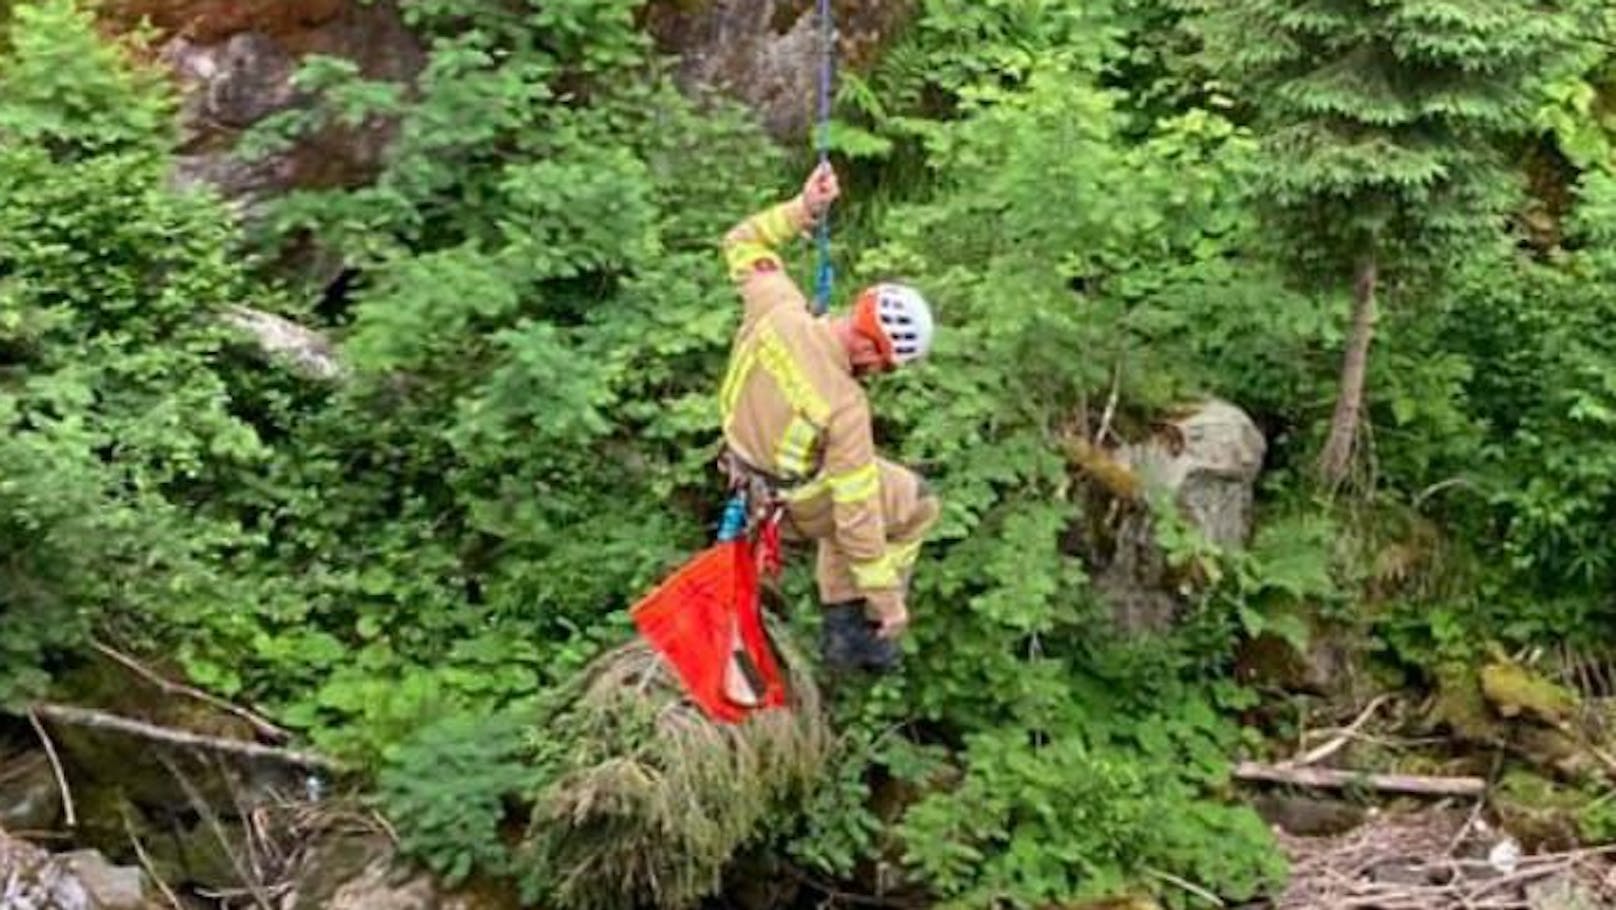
825 275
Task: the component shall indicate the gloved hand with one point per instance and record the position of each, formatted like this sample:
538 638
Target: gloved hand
820 190
887 610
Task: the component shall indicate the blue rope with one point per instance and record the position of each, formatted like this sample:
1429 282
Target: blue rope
825 275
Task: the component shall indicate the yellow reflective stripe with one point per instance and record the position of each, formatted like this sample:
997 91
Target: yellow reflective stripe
808 490
794 457
903 555
775 226
729 394
877 573
754 241
742 257
856 485
794 384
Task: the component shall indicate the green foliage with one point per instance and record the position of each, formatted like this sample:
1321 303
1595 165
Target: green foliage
72 92
534 315
1061 820
445 789
1379 120
115 416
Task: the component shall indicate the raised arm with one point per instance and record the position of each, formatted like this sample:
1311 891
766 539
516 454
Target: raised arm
750 248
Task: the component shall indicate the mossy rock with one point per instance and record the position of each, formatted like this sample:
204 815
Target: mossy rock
1115 903
1515 691
1539 813
1462 707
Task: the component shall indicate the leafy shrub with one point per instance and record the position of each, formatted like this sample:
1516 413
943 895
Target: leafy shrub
445 788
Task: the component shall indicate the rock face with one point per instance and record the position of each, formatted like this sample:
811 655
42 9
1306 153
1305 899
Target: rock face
234 61
1206 460
362 872
766 52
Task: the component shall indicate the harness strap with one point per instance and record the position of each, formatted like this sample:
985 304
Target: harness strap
756 507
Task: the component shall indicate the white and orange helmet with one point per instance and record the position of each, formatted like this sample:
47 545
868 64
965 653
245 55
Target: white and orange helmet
898 319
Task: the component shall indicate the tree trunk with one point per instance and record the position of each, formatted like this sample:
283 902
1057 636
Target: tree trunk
1336 458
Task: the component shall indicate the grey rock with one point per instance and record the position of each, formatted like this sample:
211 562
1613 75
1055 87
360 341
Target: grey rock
1308 816
1211 467
1206 461
109 887
305 351
29 797
230 82
362 872
32 879
1562 892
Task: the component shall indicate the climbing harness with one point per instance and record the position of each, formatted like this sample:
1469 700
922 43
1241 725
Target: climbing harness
824 275
756 506
706 619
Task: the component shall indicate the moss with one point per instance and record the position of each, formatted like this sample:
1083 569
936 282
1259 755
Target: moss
1461 706
1540 814
1119 903
1515 691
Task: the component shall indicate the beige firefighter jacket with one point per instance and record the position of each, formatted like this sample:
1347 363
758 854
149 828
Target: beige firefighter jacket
792 408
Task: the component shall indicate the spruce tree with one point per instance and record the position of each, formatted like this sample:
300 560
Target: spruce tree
1382 123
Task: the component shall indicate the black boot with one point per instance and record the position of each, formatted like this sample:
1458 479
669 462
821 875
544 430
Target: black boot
840 643
847 641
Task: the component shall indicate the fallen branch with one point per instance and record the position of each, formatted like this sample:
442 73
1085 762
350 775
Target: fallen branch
56 768
1345 736
307 351
1188 886
265 729
1333 779
101 720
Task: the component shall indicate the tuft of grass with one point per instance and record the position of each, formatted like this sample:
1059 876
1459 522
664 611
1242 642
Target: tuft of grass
646 799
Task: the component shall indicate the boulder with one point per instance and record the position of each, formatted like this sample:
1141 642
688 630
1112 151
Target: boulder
347 871
1306 815
32 879
1205 460
1562 892
1208 458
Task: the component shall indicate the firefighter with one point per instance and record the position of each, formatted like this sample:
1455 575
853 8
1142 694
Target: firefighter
797 422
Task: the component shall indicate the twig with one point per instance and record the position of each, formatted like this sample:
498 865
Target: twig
264 727
1191 887
248 827
212 818
1331 778
386 826
1333 746
146 863
1464 829
1110 405
1527 874
56 768
1438 487
834 893
101 720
